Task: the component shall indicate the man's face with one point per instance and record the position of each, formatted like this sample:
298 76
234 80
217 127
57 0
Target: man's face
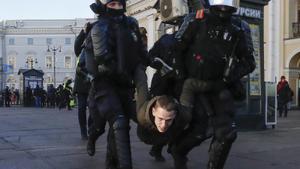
163 119
115 5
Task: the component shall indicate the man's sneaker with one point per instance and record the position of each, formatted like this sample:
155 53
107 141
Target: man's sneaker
84 137
180 162
158 157
90 148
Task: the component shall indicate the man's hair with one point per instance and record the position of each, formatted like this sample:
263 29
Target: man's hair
166 102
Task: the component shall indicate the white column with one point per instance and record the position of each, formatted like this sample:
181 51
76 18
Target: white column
274 40
277 59
151 40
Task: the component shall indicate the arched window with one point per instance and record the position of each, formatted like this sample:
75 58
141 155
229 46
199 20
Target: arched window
12 61
49 79
49 62
68 62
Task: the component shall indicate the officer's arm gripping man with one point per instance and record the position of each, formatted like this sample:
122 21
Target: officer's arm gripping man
187 32
78 43
246 62
184 38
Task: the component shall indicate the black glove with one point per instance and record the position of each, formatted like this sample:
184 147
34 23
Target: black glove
237 90
160 65
156 64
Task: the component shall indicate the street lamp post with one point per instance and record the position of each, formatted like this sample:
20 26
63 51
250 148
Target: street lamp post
54 50
30 61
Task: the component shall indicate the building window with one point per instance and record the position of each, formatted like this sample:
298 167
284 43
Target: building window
49 41
30 41
49 62
48 79
68 41
11 41
68 62
12 61
30 61
11 80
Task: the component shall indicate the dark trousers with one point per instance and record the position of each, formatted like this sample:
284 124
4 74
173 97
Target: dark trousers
7 102
113 105
82 105
283 109
213 110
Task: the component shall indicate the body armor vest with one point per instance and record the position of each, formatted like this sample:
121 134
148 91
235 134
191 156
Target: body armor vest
212 46
118 49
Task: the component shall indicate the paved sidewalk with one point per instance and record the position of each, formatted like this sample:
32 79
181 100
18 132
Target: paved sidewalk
33 138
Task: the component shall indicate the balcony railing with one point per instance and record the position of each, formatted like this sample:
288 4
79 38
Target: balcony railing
296 30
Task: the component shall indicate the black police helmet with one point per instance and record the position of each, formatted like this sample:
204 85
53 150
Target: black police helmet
105 2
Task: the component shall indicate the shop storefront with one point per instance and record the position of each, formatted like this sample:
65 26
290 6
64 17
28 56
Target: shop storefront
250 113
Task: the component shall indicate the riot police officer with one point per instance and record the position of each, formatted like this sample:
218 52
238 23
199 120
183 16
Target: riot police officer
216 49
82 82
112 66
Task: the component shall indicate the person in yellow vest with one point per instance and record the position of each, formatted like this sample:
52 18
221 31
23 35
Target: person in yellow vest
67 93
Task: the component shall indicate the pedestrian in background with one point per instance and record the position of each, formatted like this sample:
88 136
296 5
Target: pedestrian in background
37 96
285 95
7 96
67 94
82 83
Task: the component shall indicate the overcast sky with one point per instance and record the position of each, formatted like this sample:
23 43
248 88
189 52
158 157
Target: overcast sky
45 9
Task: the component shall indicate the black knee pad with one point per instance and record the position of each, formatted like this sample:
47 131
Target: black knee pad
122 142
228 137
121 122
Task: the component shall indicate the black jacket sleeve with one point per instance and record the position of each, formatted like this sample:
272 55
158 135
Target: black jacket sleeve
184 38
186 32
78 43
142 49
100 41
245 58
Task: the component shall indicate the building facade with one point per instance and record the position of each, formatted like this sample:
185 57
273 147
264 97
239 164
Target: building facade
282 43
24 45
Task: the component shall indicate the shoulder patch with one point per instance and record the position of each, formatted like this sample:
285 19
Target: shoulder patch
200 14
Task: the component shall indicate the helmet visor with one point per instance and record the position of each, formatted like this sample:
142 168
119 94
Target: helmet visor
230 3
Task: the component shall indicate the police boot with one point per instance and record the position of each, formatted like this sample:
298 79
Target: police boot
179 161
219 151
156 153
111 161
91 143
122 142
180 150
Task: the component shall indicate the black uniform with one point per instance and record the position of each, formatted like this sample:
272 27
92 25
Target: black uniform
82 83
208 44
113 51
164 83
